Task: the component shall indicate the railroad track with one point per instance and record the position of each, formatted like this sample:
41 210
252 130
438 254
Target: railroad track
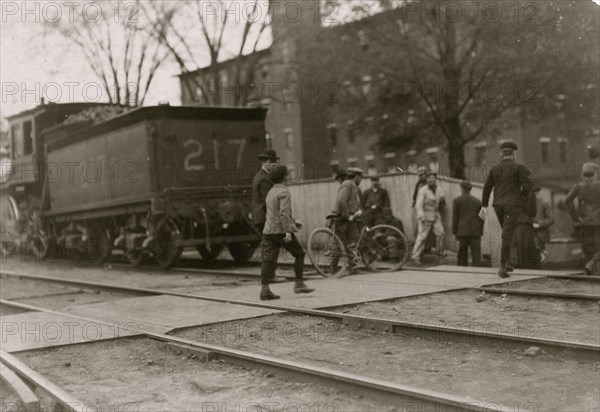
376 389
422 330
24 381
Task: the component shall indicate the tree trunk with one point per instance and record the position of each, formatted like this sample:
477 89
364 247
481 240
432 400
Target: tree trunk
456 160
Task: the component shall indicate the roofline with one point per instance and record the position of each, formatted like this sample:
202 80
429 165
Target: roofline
225 62
147 113
50 106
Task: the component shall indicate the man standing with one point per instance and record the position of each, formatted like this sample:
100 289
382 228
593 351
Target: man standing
544 218
261 184
375 199
422 175
467 226
510 182
587 193
347 208
429 201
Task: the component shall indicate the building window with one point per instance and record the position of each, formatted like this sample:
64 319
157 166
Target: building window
285 52
27 138
366 84
363 40
371 168
289 138
480 152
390 160
433 158
411 160
351 132
563 149
545 149
352 161
332 134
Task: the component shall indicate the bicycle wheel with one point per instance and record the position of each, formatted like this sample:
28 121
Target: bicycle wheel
384 249
327 253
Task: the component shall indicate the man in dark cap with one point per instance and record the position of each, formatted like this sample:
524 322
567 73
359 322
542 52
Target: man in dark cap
374 200
510 182
347 208
544 218
587 218
261 184
467 226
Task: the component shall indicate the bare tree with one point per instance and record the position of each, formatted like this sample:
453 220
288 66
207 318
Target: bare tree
117 48
201 34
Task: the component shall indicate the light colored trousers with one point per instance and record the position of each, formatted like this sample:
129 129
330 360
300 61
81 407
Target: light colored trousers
424 229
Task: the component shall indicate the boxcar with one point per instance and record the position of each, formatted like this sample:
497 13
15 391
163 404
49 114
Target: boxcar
154 181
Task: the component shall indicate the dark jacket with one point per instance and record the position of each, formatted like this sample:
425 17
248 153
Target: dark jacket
261 184
510 182
465 217
588 197
419 185
348 199
379 199
529 209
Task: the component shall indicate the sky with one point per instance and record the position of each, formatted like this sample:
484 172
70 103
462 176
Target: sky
34 63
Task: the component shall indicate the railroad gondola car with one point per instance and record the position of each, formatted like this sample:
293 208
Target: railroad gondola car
150 182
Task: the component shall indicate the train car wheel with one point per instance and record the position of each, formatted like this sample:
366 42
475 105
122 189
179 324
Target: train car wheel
97 247
40 245
166 251
212 254
135 256
241 252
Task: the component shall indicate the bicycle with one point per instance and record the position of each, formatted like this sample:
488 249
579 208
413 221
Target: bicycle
381 248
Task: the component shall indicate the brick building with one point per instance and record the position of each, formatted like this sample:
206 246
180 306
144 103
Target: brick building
320 124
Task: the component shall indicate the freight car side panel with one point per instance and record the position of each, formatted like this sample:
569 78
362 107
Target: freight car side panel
208 153
96 172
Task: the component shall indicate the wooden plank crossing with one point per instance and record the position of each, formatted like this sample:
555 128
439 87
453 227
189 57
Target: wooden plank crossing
29 402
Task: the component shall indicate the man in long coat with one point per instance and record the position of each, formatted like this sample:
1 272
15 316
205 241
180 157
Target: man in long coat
511 184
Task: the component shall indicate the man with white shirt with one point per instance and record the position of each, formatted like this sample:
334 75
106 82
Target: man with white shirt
430 199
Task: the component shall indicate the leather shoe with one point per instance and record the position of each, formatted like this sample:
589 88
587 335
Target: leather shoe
302 288
509 268
502 272
268 295
278 279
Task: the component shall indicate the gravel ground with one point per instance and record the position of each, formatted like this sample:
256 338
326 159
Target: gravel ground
545 318
145 375
508 377
587 287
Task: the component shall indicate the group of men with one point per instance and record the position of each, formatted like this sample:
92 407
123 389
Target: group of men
515 203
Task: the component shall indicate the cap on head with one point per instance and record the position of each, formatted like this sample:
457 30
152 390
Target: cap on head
508 145
353 171
268 154
431 173
278 173
375 178
589 168
466 185
421 171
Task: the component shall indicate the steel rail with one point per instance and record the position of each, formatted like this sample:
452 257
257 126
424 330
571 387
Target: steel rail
515 273
68 402
422 330
538 293
396 394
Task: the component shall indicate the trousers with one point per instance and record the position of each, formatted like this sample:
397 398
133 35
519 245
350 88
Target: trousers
270 252
464 244
424 228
